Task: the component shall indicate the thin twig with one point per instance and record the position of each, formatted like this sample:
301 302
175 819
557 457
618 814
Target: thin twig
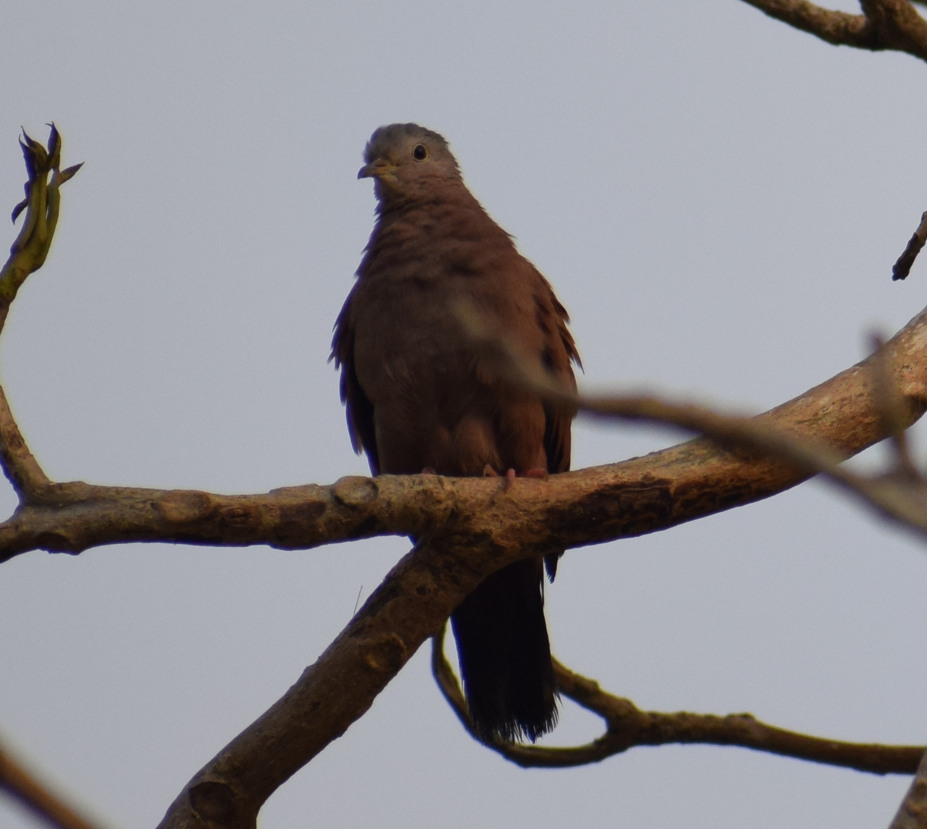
627 727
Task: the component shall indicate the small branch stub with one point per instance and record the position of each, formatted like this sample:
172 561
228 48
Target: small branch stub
902 267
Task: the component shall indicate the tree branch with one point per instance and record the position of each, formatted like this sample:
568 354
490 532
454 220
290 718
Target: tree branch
408 607
884 24
466 528
838 28
627 726
688 481
529 517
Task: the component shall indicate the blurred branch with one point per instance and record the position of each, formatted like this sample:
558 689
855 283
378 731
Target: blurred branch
883 25
627 726
899 494
23 787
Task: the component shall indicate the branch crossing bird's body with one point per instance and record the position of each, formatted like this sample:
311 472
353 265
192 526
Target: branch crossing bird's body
419 397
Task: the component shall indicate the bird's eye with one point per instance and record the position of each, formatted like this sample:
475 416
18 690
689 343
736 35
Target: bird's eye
419 153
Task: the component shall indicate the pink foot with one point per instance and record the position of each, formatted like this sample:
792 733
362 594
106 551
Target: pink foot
511 474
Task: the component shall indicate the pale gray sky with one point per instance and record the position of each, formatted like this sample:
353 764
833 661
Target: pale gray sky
717 199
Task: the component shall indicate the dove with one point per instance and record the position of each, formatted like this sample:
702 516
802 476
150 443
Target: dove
420 397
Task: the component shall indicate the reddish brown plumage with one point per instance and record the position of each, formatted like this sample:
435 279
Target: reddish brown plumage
418 397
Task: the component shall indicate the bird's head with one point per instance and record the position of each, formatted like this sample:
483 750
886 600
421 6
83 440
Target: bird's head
406 160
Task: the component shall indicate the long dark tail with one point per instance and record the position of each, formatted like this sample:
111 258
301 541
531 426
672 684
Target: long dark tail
505 654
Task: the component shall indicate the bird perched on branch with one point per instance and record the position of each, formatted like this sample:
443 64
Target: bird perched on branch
419 397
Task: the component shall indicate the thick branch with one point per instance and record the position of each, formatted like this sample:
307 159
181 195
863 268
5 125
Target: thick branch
884 24
410 605
595 505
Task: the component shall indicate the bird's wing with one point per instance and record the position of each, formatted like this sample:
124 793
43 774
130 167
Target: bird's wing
358 406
